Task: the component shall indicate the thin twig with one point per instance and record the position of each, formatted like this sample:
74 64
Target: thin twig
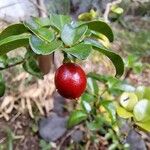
9 5
108 7
10 66
67 135
38 6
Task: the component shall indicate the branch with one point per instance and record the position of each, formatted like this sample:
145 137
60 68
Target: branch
108 7
10 66
40 7
8 5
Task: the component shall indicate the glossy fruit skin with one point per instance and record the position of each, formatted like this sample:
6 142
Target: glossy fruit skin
70 80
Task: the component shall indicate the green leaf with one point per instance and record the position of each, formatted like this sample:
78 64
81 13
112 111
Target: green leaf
31 67
71 35
98 77
144 125
147 93
117 10
86 106
44 145
42 32
58 21
87 97
123 113
80 51
2 86
94 125
45 34
92 86
109 106
76 117
141 110
14 29
97 124
42 22
3 61
31 24
101 27
115 58
13 42
42 47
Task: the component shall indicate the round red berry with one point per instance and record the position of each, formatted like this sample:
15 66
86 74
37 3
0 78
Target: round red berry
70 80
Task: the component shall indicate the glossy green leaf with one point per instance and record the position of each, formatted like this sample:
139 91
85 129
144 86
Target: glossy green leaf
42 32
111 109
123 113
31 67
31 24
13 42
58 21
86 106
87 97
141 110
2 86
42 22
101 27
71 35
76 117
14 29
98 77
115 58
80 51
45 34
42 47
92 86
144 125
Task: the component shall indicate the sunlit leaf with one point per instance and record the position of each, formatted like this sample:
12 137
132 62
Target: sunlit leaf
59 21
141 110
13 42
87 97
42 47
42 22
80 51
115 58
40 31
92 86
86 106
123 113
31 24
144 125
109 106
101 27
14 29
71 35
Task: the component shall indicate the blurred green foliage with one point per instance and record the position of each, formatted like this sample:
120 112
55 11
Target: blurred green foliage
136 43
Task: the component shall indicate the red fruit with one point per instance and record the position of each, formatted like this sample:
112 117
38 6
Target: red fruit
70 80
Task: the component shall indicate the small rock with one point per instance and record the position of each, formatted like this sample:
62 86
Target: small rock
59 103
53 127
77 136
135 141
